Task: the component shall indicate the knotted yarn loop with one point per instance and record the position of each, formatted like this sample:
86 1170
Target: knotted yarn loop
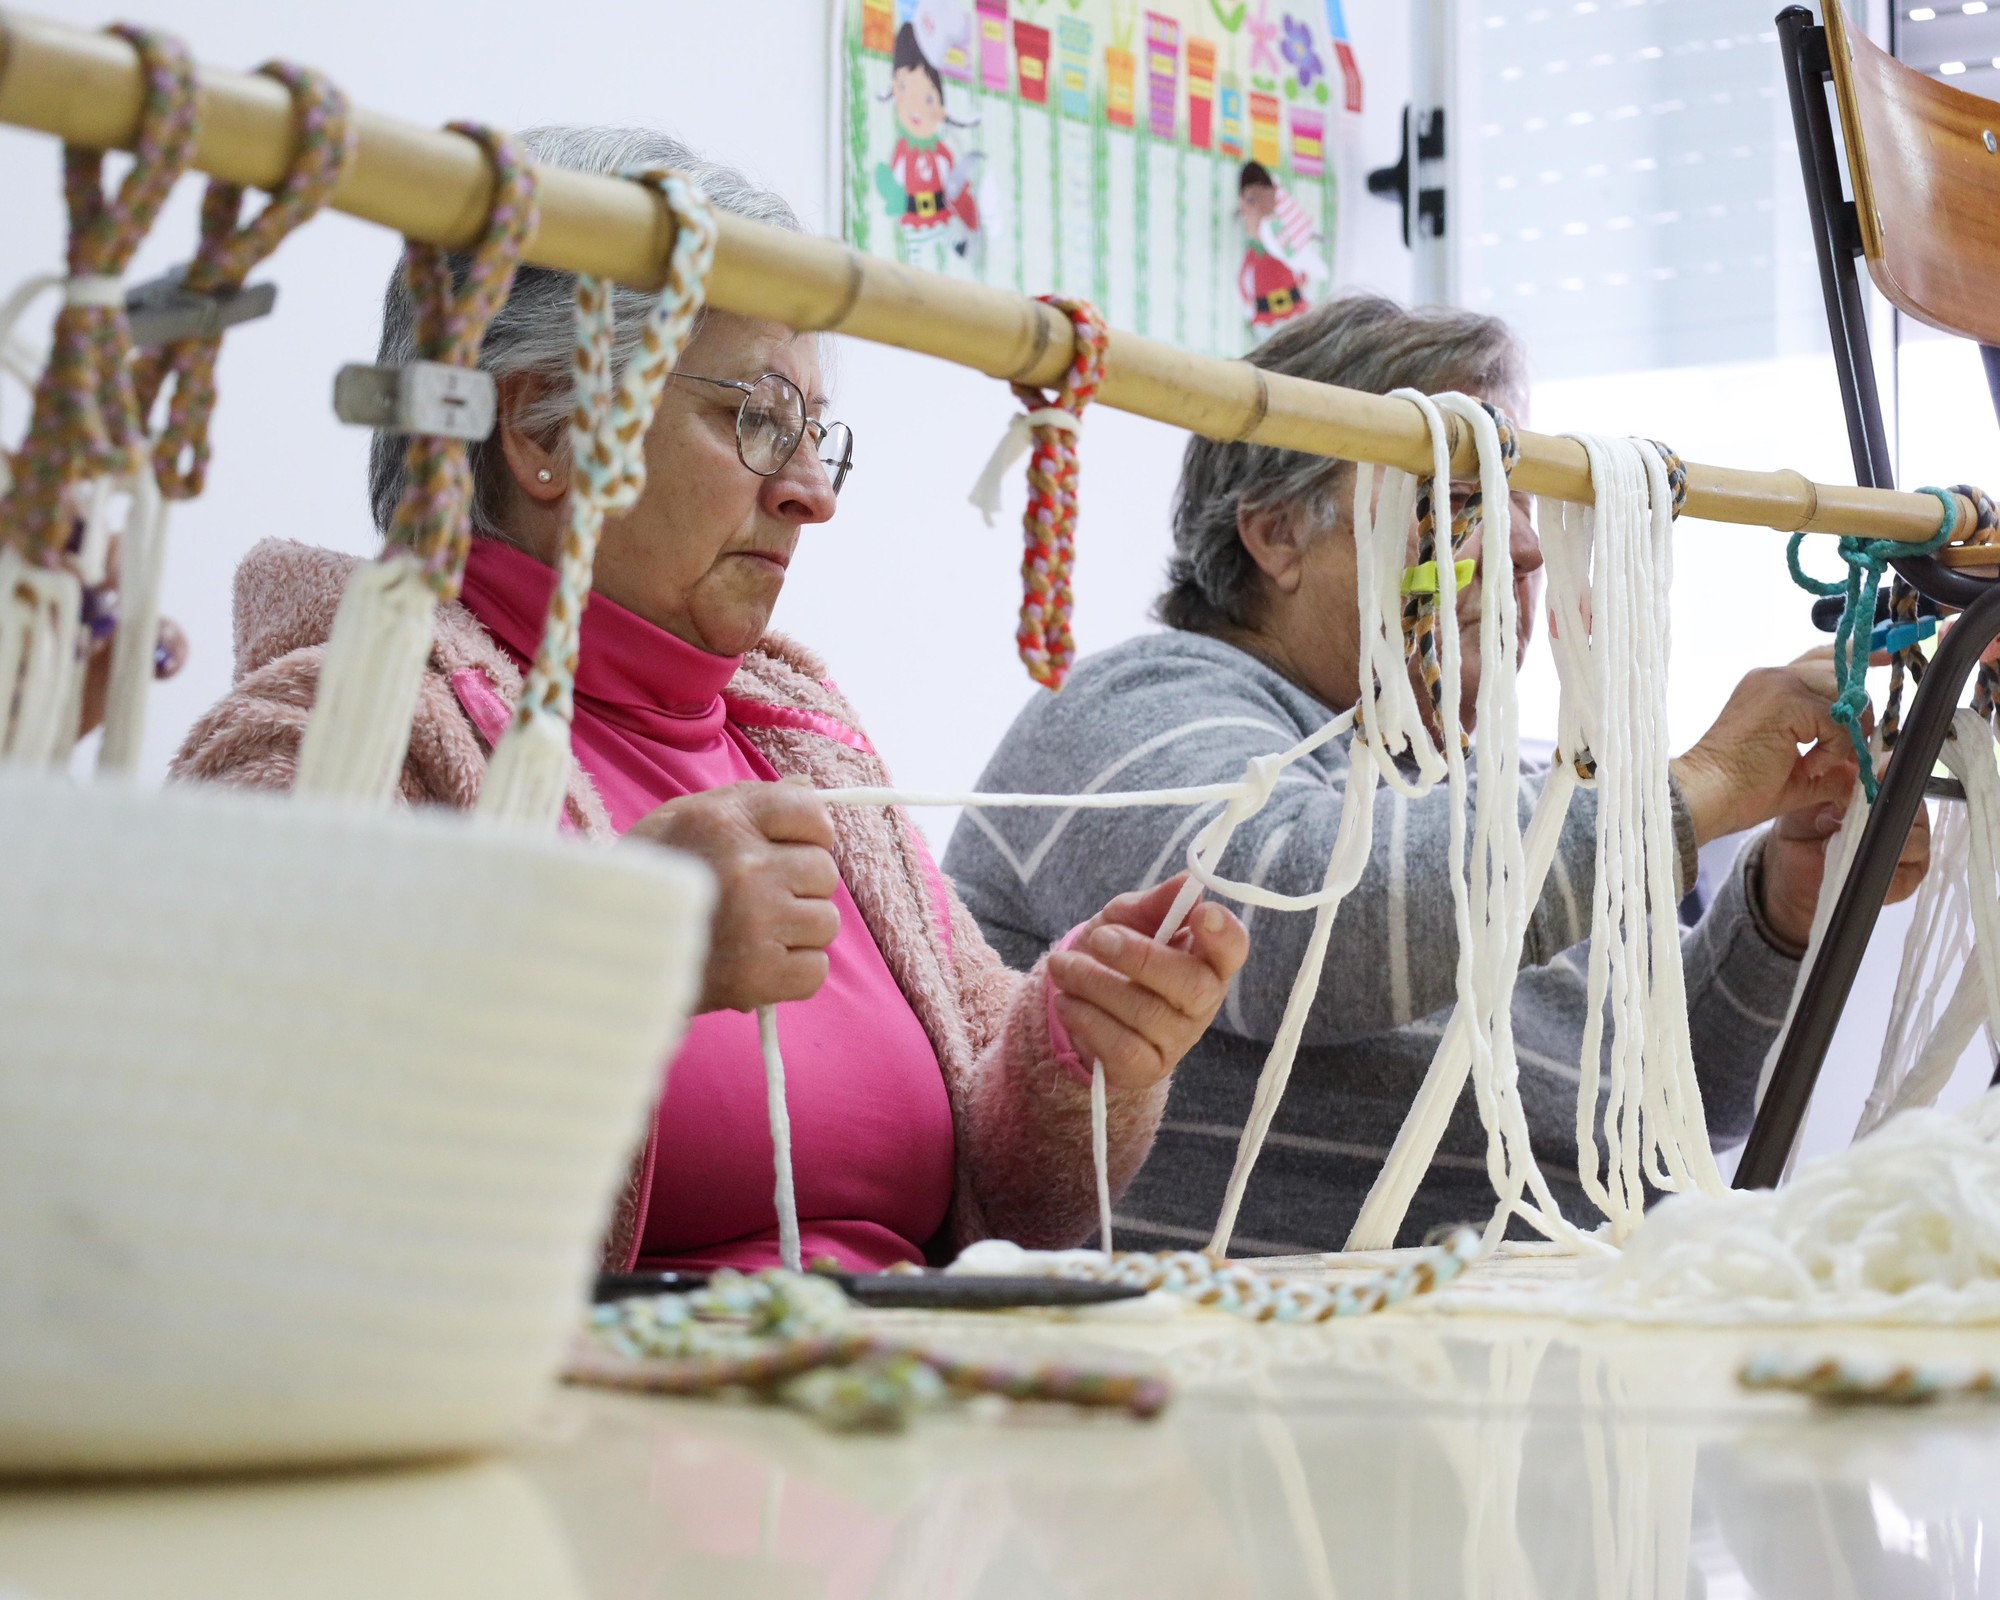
1866 559
607 435
1677 476
1048 527
225 257
432 517
86 421
1016 442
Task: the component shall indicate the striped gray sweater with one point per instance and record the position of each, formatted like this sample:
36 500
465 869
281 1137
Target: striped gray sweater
1177 708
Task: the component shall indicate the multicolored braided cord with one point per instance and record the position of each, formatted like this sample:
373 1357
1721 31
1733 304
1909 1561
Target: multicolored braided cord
433 517
1047 644
1849 1380
225 257
607 436
1272 1297
1420 608
86 422
787 1337
1909 662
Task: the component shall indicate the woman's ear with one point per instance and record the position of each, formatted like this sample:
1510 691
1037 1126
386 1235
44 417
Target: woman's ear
1271 537
537 470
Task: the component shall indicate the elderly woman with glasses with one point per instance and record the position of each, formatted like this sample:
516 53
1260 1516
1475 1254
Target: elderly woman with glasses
935 1096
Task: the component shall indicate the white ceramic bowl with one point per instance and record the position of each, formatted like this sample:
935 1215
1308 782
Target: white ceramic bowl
310 1118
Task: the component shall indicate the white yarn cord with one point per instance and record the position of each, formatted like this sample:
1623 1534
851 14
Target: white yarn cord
1902 1226
781 1138
1100 1154
40 635
1839 858
1970 753
1940 997
1653 1122
369 679
142 548
1015 443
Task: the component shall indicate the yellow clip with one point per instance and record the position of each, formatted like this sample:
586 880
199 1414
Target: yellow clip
1424 579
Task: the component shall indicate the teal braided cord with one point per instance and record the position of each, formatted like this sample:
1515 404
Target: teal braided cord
1865 560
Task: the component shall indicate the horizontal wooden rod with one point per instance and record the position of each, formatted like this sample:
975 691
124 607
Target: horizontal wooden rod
425 183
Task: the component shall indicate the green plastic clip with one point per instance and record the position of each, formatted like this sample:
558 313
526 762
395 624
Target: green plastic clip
1423 579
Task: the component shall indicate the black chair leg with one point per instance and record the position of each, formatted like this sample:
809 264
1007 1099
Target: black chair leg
1827 984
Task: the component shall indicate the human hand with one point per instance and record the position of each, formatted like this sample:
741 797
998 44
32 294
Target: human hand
1747 768
1795 862
1137 1005
770 846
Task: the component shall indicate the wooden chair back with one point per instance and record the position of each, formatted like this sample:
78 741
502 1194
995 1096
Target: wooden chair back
1924 162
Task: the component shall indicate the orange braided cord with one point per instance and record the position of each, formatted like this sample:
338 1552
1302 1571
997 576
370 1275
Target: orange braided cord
1048 647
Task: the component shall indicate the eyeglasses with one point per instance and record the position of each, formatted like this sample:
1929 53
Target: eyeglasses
772 420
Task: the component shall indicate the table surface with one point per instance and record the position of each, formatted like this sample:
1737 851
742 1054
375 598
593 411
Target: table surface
1409 1455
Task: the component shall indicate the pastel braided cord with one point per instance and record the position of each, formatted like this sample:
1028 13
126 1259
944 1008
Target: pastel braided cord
86 420
432 517
607 434
1047 644
225 257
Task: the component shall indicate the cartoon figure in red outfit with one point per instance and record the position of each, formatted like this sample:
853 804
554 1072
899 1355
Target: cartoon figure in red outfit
929 189
1279 260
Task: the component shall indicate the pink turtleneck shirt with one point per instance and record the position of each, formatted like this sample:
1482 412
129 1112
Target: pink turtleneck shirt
871 1122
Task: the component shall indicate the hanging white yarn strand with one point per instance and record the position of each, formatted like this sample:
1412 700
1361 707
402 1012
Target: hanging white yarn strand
1970 753
1393 724
1936 952
783 1195
141 561
369 678
40 621
528 777
1100 1154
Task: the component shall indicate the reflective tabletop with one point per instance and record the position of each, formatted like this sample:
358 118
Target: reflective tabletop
1410 1455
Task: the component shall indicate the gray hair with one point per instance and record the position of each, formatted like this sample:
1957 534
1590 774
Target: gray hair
1359 341
535 332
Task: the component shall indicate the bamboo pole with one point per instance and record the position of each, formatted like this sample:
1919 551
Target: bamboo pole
427 184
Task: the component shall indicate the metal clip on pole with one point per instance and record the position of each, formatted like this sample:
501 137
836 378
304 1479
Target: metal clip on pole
424 397
165 311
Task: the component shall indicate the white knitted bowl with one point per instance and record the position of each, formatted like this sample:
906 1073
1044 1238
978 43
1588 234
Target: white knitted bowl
310 1118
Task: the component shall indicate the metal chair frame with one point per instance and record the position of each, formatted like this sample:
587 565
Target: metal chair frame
1837 242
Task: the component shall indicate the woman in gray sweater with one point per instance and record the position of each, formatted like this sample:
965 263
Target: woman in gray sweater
1261 647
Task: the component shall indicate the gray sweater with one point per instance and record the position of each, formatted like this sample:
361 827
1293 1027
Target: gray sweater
1178 708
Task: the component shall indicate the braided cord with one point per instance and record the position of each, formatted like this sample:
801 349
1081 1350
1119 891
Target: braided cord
432 516
1866 559
607 437
1047 644
225 257
86 420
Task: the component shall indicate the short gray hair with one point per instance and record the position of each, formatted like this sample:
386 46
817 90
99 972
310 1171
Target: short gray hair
536 330
1359 341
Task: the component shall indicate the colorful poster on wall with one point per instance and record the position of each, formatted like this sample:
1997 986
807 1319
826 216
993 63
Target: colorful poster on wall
1170 160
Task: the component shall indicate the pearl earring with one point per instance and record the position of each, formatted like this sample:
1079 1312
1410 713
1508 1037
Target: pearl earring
543 475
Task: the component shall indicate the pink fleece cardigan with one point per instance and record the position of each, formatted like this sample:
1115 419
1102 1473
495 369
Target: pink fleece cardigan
1020 1113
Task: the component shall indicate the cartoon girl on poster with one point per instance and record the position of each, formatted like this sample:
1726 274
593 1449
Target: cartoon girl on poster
929 189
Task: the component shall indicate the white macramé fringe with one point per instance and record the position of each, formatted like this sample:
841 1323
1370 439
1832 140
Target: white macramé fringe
369 680
1100 1160
40 663
528 777
781 1138
142 549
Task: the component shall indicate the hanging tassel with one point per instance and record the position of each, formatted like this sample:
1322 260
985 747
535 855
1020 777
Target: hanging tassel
41 611
783 1195
141 558
369 680
528 777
